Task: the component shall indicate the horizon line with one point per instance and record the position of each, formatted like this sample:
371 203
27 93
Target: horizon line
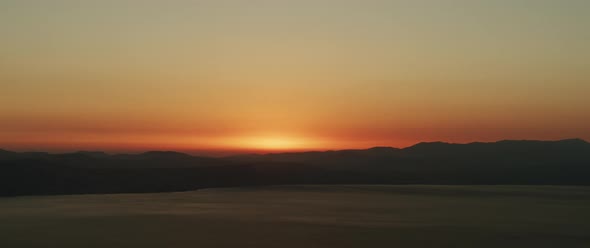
236 152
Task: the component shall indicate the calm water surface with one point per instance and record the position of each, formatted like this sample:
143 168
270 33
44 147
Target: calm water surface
305 216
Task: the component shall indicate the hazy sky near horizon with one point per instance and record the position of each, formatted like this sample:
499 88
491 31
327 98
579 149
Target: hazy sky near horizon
299 74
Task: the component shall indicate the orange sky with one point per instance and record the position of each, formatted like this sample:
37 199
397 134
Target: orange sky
289 75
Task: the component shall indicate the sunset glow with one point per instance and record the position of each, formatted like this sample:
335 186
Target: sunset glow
290 75
271 143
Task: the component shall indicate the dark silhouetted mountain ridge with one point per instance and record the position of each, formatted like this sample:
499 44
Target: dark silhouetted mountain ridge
564 162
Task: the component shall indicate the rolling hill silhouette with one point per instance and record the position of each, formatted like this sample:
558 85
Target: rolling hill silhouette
565 162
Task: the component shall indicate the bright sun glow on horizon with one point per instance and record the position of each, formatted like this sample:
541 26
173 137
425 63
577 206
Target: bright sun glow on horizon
273 143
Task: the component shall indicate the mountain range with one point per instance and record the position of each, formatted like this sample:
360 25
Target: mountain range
564 162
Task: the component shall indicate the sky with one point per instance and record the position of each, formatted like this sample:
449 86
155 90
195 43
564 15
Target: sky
279 75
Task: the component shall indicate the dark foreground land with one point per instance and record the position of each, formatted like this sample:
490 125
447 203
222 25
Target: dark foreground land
305 216
565 162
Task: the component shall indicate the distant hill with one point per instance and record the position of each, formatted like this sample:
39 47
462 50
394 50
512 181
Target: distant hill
512 152
565 162
5 153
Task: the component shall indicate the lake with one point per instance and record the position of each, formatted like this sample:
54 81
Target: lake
305 216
